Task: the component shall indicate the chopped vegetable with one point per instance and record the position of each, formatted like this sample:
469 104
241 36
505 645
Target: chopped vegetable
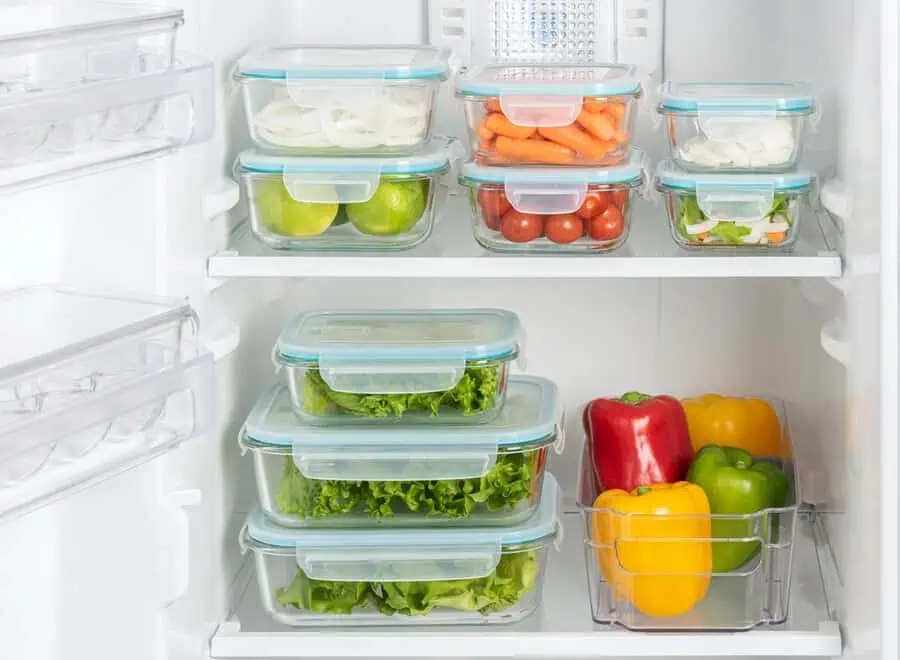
696 228
476 392
516 575
734 144
510 481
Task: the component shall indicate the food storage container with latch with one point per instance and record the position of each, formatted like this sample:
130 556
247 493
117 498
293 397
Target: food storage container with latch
553 209
736 126
439 366
655 562
331 203
341 100
50 48
550 114
358 577
332 476
733 210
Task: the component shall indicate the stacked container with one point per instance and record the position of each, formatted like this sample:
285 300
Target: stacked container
401 471
553 166
344 156
733 179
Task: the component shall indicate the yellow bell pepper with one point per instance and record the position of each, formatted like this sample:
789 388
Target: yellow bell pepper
749 424
654 546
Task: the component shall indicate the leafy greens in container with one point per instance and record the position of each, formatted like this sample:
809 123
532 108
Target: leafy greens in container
421 365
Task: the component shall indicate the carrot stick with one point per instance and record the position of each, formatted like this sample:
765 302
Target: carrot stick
600 126
534 151
502 126
483 131
616 110
486 146
493 106
578 141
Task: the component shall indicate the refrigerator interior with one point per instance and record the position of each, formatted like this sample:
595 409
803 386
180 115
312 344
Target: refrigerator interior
147 565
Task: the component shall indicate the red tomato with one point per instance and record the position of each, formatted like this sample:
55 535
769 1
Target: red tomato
491 221
521 227
607 226
594 204
564 228
620 198
493 202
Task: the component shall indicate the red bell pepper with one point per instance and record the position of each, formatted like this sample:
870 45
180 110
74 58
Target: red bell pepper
637 440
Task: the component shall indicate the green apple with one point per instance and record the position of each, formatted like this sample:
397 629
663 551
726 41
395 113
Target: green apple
284 215
395 208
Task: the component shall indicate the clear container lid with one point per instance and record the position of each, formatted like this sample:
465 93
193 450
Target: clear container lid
781 97
549 80
346 179
346 62
392 555
669 175
531 418
397 352
554 190
26 25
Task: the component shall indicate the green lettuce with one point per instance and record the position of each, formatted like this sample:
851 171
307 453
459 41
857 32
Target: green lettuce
476 392
516 574
690 213
510 481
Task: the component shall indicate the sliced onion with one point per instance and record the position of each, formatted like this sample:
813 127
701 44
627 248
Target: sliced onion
700 227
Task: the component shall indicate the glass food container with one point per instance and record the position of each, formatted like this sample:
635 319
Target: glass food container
642 567
418 366
550 114
341 100
553 209
325 203
709 210
333 577
332 476
736 127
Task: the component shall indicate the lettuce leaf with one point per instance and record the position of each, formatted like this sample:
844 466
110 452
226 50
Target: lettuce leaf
476 392
515 575
510 481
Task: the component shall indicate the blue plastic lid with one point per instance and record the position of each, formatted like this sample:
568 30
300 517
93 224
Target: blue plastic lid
793 97
473 334
670 175
346 63
433 157
549 80
630 171
541 527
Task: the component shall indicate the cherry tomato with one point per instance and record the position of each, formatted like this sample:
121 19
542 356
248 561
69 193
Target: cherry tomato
521 227
594 204
493 202
607 226
620 198
564 228
491 221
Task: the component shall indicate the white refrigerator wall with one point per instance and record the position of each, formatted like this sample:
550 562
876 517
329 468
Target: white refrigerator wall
143 228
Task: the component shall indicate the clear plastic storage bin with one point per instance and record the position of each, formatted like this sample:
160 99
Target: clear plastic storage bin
437 366
640 562
550 114
709 210
51 47
403 577
91 385
341 100
736 127
484 475
552 209
321 203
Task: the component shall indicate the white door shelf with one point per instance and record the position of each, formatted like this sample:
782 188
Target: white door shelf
451 252
95 125
561 628
91 386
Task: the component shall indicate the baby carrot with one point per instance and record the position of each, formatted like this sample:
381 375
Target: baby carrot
500 125
616 110
578 141
483 131
534 151
600 126
493 106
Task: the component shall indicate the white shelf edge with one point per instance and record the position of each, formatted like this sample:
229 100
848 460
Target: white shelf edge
565 605
452 253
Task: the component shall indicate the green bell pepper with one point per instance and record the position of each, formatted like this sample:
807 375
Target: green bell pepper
735 484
